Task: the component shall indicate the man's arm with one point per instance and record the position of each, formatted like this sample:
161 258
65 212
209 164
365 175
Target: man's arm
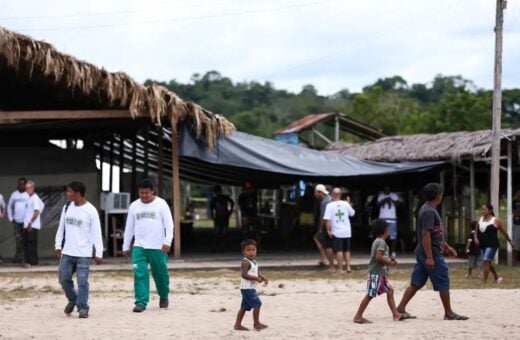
10 209
232 205
97 238
58 240
426 241
168 228
351 211
129 231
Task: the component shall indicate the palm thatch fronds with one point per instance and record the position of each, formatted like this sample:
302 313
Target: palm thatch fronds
451 146
116 90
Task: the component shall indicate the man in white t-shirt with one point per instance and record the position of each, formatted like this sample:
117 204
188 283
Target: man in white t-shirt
79 232
31 225
16 214
387 202
150 224
337 217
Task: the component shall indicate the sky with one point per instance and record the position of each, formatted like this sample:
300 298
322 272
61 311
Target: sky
331 44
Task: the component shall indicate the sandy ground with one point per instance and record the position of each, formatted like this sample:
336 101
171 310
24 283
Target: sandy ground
205 308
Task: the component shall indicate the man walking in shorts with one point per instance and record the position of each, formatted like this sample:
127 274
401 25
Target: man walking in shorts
429 255
321 238
337 214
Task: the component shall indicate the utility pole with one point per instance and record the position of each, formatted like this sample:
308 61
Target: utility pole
497 106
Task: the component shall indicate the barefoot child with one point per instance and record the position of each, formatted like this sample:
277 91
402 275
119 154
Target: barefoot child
378 282
248 283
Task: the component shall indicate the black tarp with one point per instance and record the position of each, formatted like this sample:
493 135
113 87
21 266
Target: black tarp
268 163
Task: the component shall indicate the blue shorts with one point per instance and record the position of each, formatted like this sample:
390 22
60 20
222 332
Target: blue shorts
438 276
488 254
250 299
392 228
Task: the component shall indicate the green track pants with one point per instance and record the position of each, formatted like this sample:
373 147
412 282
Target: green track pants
158 263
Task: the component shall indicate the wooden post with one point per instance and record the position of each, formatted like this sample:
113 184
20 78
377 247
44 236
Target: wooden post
497 106
472 188
146 147
509 201
101 153
133 185
176 199
111 165
121 161
161 161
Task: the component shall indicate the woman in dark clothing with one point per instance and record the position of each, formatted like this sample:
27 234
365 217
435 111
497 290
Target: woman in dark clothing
486 237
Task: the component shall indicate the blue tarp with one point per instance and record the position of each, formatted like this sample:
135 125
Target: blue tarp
269 163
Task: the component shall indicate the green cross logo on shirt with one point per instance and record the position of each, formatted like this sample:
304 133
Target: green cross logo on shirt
339 214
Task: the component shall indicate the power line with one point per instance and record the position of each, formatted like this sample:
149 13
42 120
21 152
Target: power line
184 19
75 15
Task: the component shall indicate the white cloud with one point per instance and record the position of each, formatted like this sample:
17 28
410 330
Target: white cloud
331 44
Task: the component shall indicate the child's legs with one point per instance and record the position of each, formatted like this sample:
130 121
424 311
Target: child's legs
256 316
240 317
391 302
362 307
141 278
158 264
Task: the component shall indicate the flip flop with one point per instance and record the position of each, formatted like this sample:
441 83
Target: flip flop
455 316
401 318
406 316
499 280
362 321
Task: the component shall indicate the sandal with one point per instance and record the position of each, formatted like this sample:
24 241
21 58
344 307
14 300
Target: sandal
455 316
407 316
362 321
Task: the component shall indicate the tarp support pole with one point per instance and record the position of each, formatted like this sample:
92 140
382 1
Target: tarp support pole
176 199
336 128
509 201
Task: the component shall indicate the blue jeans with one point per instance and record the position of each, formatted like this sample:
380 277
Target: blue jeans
80 265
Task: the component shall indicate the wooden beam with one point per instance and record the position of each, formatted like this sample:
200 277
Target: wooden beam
121 161
64 114
146 148
176 199
111 165
133 185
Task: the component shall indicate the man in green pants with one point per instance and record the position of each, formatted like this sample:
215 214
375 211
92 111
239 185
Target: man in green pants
150 224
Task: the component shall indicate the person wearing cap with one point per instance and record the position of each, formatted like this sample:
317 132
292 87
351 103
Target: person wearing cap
337 217
321 238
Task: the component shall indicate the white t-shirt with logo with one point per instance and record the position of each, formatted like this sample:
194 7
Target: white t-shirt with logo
33 203
151 224
387 211
81 227
338 213
16 206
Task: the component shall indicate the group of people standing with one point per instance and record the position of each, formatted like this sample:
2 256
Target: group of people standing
24 210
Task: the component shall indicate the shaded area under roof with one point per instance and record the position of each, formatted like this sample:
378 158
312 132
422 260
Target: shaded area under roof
447 146
345 124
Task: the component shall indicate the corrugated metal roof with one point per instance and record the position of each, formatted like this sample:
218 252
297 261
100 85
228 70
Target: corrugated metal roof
304 123
345 124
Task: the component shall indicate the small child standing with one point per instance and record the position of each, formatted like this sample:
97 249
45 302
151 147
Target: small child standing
248 283
378 282
473 251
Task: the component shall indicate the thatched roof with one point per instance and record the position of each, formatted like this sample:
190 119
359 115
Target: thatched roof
35 76
451 146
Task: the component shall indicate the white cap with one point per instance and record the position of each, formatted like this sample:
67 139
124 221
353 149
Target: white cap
321 188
